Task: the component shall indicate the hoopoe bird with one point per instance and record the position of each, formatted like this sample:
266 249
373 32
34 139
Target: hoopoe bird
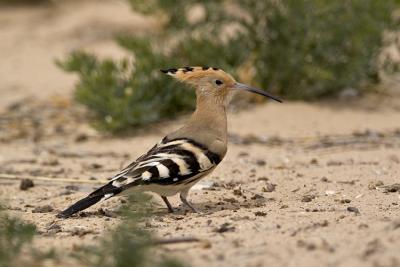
185 156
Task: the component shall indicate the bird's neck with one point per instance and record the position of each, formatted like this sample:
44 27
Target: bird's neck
209 116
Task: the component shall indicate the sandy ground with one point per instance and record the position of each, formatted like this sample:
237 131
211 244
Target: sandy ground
301 185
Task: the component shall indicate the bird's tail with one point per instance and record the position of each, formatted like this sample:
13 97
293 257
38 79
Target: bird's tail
102 193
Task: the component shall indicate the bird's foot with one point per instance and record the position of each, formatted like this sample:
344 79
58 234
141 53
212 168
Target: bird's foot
187 203
169 206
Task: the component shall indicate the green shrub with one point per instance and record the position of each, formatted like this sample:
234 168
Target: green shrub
128 244
121 95
14 236
296 49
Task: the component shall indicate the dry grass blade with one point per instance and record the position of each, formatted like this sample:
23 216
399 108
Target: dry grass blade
176 240
50 179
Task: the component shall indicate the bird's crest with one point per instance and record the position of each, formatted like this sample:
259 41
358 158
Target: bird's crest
188 73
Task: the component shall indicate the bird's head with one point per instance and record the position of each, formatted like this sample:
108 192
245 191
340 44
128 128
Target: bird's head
213 82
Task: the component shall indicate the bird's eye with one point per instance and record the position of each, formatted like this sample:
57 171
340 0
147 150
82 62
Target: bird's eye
218 82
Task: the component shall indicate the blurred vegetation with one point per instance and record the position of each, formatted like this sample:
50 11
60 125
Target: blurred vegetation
15 235
122 95
297 49
126 246
24 2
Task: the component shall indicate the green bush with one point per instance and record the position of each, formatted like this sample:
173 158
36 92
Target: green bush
297 49
126 246
14 236
121 95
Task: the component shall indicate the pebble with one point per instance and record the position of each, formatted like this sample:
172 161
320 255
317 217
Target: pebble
261 162
260 213
269 187
43 209
237 192
26 184
307 198
353 209
225 227
391 188
325 179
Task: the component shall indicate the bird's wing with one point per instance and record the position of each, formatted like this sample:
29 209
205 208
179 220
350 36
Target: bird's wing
169 162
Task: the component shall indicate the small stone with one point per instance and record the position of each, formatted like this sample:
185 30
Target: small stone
43 209
391 188
307 198
325 179
26 184
353 209
82 137
260 213
314 161
257 196
344 201
96 166
237 192
269 187
261 162
225 227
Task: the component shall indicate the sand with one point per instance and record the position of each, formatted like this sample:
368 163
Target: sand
302 183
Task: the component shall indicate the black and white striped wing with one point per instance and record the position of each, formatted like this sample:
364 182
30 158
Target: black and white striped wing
169 162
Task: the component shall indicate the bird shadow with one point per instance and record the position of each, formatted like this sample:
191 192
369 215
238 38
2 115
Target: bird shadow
211 207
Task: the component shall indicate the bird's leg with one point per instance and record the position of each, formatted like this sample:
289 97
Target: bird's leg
170 209
183 196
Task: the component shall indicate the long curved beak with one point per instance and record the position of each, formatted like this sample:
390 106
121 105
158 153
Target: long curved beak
241 86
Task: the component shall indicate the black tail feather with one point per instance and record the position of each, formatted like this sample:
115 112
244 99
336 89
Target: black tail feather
90 200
